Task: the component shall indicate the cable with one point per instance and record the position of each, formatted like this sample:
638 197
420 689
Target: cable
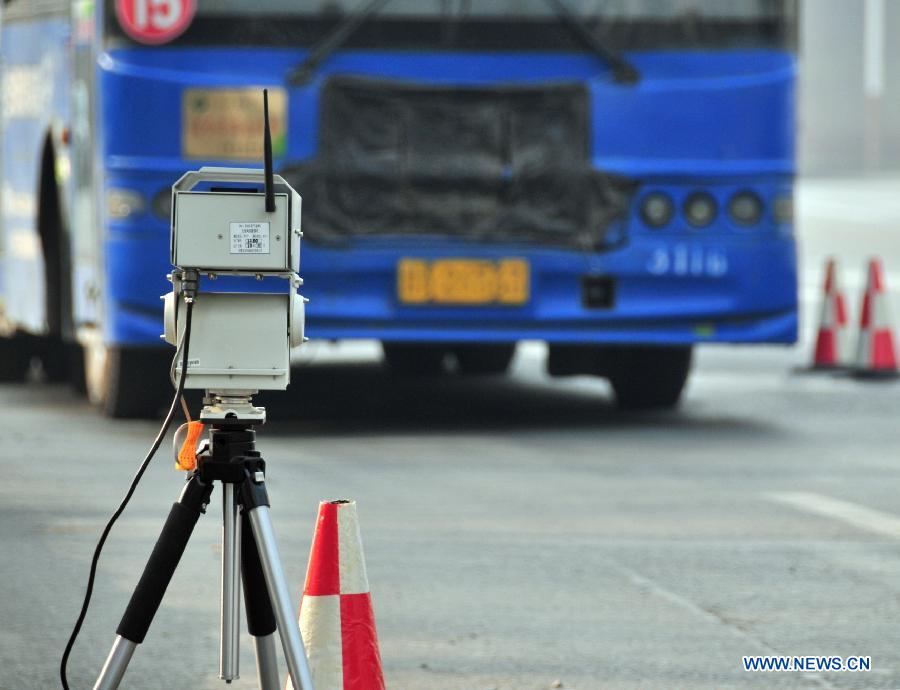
185 409
185 340
174 364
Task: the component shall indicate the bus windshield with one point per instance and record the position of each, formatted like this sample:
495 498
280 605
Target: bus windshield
601 9
534 25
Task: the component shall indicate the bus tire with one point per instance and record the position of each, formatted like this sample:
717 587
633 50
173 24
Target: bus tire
136 382
414 359
484 359
650 377
15 358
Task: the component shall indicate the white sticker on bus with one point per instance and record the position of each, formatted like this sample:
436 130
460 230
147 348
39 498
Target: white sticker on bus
28 89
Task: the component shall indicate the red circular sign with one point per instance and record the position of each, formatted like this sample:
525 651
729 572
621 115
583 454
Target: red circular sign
155 21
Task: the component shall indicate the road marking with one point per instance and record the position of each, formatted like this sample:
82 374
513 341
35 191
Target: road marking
653 587
867 519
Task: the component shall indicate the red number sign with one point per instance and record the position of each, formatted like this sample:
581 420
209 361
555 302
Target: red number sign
155 21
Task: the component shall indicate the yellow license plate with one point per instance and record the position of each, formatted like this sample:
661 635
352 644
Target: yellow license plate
463 281
227 124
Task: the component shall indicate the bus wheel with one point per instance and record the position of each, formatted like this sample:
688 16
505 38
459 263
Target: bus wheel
15 358
649 377
481 359
128 382
415 359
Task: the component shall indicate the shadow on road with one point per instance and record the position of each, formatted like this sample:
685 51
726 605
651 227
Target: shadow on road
363 397
366 397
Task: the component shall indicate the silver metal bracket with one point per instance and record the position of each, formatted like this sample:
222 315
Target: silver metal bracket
237 406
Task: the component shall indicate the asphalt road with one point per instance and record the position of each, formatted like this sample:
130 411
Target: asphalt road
519 532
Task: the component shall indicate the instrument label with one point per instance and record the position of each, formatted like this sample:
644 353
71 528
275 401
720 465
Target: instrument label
249 238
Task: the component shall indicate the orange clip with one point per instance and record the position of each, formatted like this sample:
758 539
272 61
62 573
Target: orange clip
187 456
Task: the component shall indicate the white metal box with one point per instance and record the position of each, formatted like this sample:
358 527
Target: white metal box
238 341
231 231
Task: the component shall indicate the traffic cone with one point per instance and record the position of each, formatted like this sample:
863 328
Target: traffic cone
336 618
831 345
875 350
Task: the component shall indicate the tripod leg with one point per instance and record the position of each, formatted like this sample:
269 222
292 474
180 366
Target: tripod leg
260 617
152 586
256 507
230 637
114 669
267 662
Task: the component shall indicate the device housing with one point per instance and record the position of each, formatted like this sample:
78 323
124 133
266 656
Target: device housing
243 261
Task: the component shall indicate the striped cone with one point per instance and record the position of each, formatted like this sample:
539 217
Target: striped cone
875 350
831 340
336 618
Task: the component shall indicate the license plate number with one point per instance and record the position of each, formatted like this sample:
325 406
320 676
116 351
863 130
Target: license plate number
505 282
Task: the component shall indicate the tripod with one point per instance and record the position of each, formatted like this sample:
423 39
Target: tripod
248 548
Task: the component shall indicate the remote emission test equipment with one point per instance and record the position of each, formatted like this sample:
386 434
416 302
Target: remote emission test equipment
232 229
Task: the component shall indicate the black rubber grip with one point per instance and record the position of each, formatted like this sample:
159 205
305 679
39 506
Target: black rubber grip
158 572
260 617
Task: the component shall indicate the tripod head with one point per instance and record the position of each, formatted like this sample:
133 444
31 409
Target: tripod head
231 407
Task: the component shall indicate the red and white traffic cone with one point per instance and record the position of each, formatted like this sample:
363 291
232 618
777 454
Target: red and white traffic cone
876 354
831 340
336 618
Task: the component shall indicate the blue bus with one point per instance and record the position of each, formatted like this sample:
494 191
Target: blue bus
612 177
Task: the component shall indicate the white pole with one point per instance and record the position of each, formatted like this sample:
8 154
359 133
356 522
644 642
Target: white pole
873 78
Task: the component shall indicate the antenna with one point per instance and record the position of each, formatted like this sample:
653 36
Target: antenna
267 156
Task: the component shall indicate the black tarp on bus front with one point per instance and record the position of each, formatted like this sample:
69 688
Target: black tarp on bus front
484 164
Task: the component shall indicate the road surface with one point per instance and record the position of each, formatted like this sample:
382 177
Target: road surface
520 532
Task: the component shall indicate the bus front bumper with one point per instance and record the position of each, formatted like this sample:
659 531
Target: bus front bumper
660 293
778 327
